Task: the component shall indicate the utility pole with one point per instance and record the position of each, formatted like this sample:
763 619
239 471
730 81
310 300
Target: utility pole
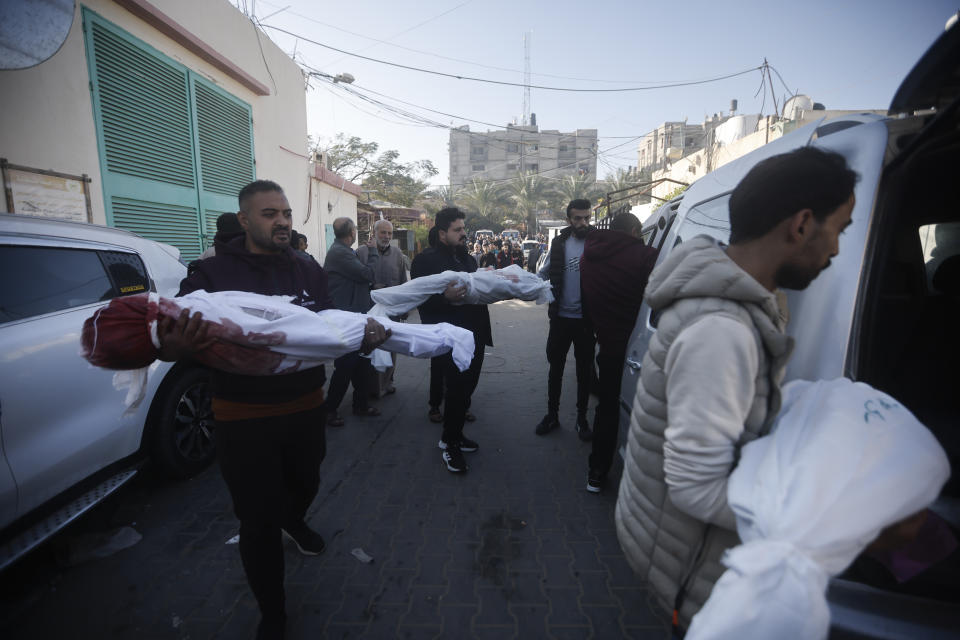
527 37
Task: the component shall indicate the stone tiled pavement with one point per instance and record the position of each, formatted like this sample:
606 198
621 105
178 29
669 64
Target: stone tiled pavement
515 548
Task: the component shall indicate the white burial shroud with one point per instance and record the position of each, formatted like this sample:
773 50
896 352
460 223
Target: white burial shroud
844 461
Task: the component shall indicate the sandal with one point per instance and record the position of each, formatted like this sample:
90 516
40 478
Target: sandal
369 412
469 417
334 419
435 416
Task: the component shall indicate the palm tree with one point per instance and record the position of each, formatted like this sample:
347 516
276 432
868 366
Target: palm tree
482 196
529 192
447 194
576 188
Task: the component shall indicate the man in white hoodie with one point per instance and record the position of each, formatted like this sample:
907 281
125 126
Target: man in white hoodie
710 380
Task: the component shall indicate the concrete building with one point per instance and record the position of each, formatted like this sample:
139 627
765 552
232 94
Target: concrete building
669 142
501 154
728 137
160 112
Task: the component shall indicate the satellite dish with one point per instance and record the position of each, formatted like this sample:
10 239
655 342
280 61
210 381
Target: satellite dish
32 30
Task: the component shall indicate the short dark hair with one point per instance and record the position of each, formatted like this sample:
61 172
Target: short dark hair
580 204
257 186
446 216
625 222
228 223
780 186
293 238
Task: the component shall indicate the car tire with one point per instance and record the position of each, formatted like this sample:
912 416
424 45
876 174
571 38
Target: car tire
182 440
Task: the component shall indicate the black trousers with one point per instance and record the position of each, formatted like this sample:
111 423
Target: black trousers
272 469
606 421
349 369
459 387
563 333
436 382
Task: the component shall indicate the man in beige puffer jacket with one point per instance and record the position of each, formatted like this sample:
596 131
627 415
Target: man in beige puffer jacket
710 380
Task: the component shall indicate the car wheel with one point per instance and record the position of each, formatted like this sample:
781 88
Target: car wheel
183 441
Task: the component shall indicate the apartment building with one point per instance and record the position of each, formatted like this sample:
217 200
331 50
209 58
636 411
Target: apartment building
503 153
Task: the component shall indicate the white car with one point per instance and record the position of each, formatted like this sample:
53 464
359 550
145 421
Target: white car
66 440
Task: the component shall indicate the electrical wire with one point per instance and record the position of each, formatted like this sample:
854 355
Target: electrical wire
461 60
517 84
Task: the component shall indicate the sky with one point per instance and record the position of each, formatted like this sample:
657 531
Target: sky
844 54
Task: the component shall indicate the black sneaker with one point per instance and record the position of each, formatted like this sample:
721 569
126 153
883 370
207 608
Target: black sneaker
307 540
454 459
548 424
465 444
583 429
595 481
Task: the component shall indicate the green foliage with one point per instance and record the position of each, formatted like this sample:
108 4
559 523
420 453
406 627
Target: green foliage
383 176
530 192
673 194
485 198
574 188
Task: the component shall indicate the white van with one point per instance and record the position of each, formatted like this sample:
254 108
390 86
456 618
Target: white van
887 312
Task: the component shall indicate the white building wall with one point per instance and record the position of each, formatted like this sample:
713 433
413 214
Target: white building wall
327 204
47 111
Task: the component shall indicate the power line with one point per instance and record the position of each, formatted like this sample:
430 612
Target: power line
517 84
461 60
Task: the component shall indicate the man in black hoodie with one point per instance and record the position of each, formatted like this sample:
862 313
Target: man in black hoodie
613 276
270 429
450 254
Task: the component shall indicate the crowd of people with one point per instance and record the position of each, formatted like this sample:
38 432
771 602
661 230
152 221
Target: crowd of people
710 380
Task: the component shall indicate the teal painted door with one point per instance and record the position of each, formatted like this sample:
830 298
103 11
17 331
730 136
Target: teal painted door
174 149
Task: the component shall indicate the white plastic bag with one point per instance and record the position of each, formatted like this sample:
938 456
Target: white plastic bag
844 462
483 287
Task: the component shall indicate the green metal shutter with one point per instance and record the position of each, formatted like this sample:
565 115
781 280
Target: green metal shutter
174 149
224 128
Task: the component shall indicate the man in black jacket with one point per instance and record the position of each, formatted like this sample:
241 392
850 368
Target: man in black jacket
450 254
270 429
567 324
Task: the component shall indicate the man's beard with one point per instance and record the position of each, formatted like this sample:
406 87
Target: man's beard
581 232
791 276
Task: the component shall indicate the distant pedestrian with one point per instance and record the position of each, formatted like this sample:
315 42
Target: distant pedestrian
228 227
533 257
489 258
350 282
567 324
613 275
388 271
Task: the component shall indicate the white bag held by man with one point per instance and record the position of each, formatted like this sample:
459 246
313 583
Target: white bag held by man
844 462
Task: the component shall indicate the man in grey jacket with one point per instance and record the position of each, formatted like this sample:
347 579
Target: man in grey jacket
349 282
710 380
389 271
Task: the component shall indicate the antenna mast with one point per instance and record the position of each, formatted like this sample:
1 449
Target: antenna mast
526 77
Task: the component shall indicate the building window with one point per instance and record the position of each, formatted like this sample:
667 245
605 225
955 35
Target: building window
533 167
513 148
479 167
512 166
478 151
564 148
534 147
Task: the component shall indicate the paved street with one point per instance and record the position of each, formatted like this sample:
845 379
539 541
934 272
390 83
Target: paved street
515 548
